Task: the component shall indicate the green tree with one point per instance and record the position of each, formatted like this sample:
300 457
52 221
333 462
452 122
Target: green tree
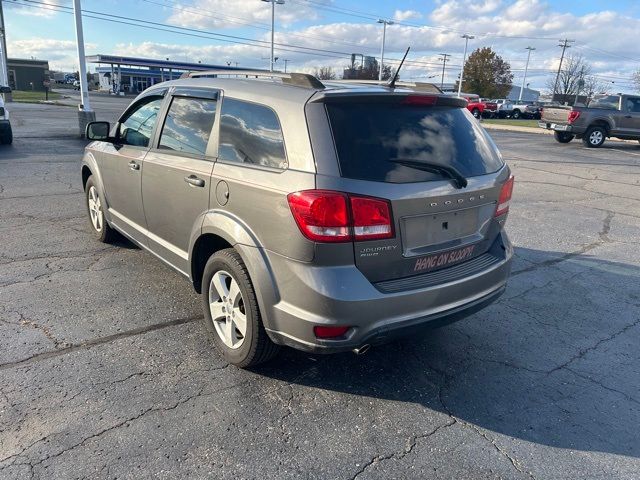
487 74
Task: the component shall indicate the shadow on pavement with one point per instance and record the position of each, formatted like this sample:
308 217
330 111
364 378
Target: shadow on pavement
556 365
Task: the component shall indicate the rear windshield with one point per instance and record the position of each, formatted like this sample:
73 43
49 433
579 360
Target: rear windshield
369 136
609 102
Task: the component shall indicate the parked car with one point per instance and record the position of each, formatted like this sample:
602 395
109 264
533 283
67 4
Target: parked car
519 109
533 111
490 107
300 211
6 133
474 104
503 107
606 116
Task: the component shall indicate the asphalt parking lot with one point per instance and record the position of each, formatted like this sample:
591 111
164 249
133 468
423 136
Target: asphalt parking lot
106 372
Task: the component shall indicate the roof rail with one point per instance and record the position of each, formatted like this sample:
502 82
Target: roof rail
298 79
422 86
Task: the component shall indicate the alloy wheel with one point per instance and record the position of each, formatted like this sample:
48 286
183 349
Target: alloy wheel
227 308
95 209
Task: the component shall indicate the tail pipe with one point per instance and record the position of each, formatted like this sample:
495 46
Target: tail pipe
362 350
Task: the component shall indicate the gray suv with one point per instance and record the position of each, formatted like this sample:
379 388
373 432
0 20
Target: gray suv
326 217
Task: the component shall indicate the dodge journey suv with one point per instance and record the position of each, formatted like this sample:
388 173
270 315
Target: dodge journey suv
326 217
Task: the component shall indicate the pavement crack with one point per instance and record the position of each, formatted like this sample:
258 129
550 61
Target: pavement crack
582 352
410 445
98 341
514 461
603 237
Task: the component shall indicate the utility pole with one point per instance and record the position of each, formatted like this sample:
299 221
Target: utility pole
444 60
85 114
464 59
285 60
580 83
565 44
384 34
526 68
273 26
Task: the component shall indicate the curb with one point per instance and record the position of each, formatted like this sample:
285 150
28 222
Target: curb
538 131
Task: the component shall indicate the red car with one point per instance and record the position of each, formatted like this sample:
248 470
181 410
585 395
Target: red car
475 105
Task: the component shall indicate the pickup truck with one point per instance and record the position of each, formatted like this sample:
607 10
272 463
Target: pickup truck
503 107
519 109
6 135
606 116
474 104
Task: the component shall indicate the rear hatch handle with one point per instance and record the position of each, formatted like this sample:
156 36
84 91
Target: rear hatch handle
459 181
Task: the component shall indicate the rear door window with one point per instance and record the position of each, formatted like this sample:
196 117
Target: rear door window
251 134
188 125
370 136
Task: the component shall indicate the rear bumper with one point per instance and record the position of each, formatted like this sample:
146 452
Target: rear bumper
560 127
343 296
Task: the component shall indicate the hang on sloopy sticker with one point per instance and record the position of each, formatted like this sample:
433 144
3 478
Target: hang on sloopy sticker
442 259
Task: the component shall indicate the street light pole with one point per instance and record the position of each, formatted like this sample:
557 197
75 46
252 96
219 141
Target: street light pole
4 74
273 27
85 114
384 35
464 59
526 69
82 67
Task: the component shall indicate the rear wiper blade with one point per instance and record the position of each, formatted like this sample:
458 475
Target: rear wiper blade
447 170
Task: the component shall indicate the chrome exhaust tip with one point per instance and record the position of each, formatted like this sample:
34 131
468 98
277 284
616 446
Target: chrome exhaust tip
362 350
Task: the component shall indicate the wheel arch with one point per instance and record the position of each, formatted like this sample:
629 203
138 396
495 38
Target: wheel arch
222 230
601 122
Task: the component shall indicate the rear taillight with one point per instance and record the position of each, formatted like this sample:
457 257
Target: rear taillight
573 116
328 216
420 100
371 218
505 197
329 332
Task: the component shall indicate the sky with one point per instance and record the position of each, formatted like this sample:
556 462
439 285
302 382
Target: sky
314 33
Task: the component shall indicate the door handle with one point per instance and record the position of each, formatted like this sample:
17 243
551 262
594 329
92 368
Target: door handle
195 181
133 165
628 116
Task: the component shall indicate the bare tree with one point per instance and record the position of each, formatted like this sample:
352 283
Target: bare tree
324 73
576 77
636 79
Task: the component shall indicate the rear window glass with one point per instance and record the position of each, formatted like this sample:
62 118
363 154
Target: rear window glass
605 101
369 137
251 133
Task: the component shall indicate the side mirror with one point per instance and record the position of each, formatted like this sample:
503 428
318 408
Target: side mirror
97 131
5 89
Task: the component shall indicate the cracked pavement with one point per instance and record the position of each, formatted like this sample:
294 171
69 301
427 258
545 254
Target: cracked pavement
106 371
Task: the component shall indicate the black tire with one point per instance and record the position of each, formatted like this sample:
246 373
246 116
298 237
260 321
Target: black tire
476 113
7 136
563 137
515 114
256 346
594 137
105 234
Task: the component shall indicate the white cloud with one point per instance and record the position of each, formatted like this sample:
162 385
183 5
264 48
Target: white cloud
404 15
61 54
207 14
44 9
